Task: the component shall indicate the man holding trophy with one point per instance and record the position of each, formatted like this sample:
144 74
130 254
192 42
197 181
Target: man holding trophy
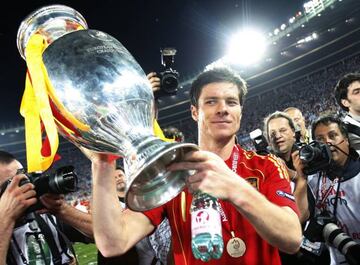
217 97
86 85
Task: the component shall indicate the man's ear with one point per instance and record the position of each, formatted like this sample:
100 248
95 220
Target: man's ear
194 113
345 102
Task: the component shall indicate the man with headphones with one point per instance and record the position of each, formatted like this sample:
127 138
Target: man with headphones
335 218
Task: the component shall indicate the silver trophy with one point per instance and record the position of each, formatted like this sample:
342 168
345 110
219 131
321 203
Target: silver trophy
99 82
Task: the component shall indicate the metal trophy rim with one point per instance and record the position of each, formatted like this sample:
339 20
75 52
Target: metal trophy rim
21 38
153 160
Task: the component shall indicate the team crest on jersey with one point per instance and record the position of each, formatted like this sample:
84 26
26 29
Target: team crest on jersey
253 181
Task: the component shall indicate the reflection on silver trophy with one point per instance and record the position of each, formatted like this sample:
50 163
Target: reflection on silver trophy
99 82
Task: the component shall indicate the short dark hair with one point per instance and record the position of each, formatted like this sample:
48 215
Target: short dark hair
216 75
6 157
276 115
341 88
327 120
119 164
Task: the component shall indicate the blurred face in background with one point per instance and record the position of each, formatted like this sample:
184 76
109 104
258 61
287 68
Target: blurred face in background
282 137
298 119
353 98
9 170
120 180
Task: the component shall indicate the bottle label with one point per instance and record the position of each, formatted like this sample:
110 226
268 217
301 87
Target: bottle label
205 221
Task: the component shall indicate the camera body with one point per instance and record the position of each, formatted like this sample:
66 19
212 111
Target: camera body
314 231
169 78
316 156
261 145
63 181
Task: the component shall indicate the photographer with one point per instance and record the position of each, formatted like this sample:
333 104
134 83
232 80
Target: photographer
29 237
347 96
299 121
280 131
336 188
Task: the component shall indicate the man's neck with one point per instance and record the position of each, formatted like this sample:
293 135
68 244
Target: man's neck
222 148
285 156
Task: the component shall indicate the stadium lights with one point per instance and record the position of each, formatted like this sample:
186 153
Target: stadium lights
309 38
246 47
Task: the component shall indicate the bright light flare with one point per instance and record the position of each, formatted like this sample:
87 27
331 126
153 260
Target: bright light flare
246 47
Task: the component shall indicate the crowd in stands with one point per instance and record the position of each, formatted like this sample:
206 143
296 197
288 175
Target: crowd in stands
312 93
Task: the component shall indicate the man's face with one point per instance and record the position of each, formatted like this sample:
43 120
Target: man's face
218 113
120 180
8 171
282 137
297 118
332 135
353 98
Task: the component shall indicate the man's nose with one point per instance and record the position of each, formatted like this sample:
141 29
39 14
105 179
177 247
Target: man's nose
276 135
222 108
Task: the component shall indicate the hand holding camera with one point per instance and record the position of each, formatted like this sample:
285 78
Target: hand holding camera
62 181
168 78
16 198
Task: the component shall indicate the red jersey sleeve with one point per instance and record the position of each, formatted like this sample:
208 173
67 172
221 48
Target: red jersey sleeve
156 215
277 184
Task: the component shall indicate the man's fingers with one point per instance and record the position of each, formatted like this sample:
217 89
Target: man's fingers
150 75
184 166
197 156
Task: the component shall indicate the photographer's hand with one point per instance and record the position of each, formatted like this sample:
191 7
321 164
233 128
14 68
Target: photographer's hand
300 191
56 205
13 203
154 81
16 199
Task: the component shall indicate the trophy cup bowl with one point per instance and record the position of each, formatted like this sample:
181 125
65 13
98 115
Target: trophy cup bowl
99 82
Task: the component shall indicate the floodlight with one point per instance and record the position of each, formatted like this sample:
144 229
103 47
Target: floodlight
246 47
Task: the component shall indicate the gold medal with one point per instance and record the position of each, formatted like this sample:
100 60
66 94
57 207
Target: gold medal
235 246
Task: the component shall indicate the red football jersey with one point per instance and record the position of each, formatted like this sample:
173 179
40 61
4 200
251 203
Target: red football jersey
268 176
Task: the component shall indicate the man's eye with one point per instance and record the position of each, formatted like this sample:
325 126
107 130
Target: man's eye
233 103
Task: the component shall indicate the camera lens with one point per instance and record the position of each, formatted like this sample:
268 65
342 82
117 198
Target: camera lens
307 153
64 181
169 83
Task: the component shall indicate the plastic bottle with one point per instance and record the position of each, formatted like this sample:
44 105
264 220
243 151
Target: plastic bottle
36 255
34 251
206 231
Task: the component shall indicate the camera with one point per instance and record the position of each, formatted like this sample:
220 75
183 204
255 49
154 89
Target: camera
63 181
316 156
298 144
260 143
169 78
323 228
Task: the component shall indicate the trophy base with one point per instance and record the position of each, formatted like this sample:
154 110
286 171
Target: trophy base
153 185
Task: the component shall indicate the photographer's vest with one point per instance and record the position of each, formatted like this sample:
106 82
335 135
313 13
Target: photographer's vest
39 242
343 200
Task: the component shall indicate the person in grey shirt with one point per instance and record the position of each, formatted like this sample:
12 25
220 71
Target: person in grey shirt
347 95
151 250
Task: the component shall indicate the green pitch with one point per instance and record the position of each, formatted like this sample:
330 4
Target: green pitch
86 253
